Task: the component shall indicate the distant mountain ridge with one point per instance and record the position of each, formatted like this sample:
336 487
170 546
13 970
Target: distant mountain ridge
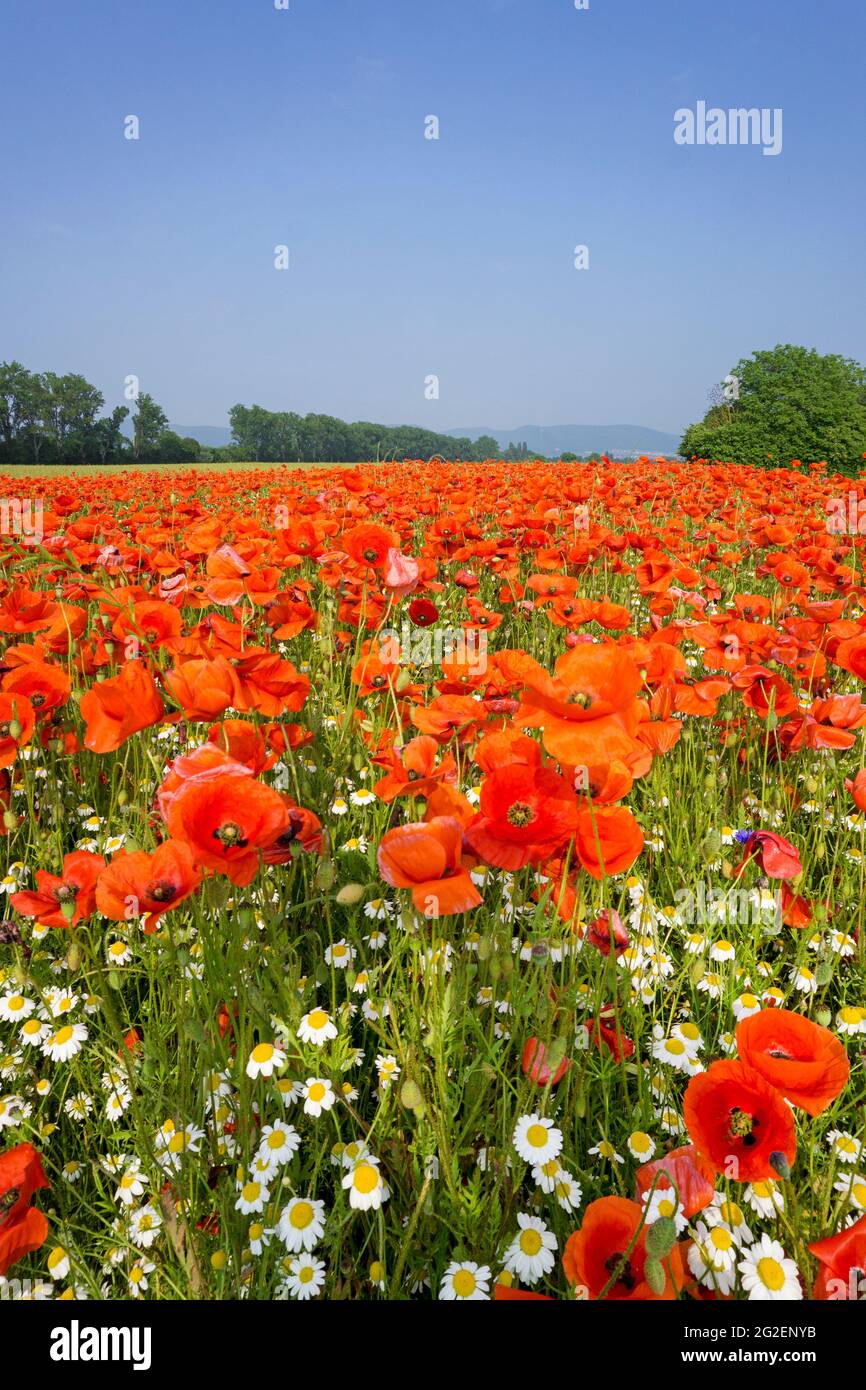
552 440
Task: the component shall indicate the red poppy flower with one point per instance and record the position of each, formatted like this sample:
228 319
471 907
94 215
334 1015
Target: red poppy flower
23 1228
526 814
123 705
303 831
426 857
738 1121
777 856
227 821
67 900
692 1175
146 885
807 1063
607 840
595 1255
535 1064
422 612
843 1263
587 711
608 927
204 688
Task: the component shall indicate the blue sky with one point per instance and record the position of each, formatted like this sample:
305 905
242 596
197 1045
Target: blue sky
412 257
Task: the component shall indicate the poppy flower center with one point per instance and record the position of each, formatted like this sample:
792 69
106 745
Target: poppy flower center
741 1126
161 892
370 555
230 835
520 814
412 775
579 698
7 1202
66 893
619 1265
779 1052
36 700
378 681
4 729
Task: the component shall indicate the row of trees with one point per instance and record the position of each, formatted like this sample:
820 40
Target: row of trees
278 436
46 418
786 403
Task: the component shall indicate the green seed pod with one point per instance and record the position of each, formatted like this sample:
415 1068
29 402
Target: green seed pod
114 980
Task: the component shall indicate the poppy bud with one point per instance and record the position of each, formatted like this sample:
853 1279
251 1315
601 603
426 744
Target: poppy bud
15 728
660 1237
653 1272
545 1066
780 1164
350 894
608 927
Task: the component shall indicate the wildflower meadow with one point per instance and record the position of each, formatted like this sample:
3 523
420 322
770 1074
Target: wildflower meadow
433 881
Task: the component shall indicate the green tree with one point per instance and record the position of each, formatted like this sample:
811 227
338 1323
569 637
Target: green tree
70 407
787 403
148 423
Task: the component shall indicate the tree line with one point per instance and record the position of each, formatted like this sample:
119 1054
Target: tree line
281 436
51 419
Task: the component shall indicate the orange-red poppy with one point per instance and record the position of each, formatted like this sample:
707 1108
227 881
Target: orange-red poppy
426 858
63 900
739 1122
607 840
526 814
227 821
804 1061
123 705
595 1256
146 885
23 1228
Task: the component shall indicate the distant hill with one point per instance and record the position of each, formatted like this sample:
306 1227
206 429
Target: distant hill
618 441
552 440
214 436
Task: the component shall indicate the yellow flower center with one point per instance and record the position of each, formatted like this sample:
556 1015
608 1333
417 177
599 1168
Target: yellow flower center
365 1178
464 1283
771 1274
536 1136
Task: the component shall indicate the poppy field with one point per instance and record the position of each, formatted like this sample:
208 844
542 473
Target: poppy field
433 881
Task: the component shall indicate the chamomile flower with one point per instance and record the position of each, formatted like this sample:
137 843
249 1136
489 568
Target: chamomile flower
851 1020
464 1282
605 1150
722 1211
641 1146
316 1028
853 1189
14 1008
387 1070
130 1186
366 1187
536 1139
764 1197
66 1042
306 1277
301 1224
846 1148
340 955
767 1274
746 1005
318 1095
279 1142
264 1060
804 980
144 1226
567 1191
673 1051
137 1277
58 1263
663 1203
530 1255
253 1196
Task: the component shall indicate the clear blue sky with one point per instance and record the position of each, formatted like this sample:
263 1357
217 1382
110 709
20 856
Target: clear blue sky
412 257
